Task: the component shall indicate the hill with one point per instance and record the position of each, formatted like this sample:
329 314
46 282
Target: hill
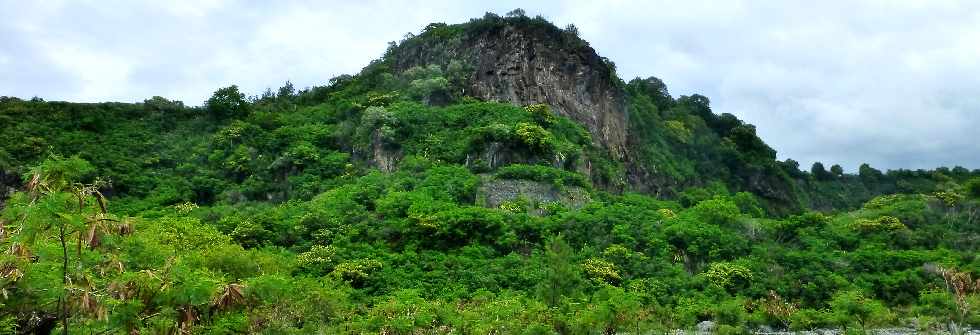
495 176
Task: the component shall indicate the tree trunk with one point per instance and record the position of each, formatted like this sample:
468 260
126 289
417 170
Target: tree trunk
63 301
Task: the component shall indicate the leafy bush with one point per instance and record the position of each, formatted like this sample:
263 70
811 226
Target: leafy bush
543 174
728 275
881 224
535 137
973 188
601 271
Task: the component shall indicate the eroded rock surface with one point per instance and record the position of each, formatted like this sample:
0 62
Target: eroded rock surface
530 65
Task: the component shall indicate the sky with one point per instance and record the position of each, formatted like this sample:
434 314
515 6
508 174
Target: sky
895 84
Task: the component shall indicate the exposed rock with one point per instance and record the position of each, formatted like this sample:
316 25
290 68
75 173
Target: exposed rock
494 155
382 156
879 331
769 186
527 61
706 327
524 64
9 182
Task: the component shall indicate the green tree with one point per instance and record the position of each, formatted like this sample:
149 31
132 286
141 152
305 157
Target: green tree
57 203
868 174
562 278
428 84
973 188
851 307
837 170
614 310
656 90
819 172
728 275
227 102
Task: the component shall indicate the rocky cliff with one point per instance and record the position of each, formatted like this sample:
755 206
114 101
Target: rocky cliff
660 148
525 62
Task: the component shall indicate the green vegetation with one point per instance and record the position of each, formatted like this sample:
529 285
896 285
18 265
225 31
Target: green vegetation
354 208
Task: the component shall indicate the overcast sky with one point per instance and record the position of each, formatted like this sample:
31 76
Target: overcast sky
892 83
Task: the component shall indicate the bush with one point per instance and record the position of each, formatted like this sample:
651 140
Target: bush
541 114
728 275
973 188
454 183
883 223
936 307
601 271
730 312
810 319
535 137
227 102
718 211
853 308
544 174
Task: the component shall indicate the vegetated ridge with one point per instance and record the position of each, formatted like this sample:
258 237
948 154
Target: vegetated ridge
495 176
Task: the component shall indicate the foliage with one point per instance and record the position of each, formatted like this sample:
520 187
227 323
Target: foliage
728 275
545 174
270 214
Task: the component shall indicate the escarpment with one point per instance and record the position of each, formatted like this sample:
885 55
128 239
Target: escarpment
528 64
642 138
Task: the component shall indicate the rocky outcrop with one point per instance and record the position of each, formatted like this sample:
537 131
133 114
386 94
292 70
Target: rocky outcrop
528 64
382 156
525 61
9 182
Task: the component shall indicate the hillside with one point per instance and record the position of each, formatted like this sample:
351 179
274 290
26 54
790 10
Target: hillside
495 176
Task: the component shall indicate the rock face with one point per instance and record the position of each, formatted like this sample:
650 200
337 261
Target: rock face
9 182
526 61
527 65
494 192
386 159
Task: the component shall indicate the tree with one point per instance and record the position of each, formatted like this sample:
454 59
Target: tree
973 188
728 275
654 88
698 105
561 277
696 242
160 104
56 202
226 103
571 29
458 75
792 168
163 110
614 310
749 144
535 137
427 84
286 91
837 170
852 306
869 174
819 172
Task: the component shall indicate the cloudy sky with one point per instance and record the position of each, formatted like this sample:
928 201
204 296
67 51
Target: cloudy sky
892 83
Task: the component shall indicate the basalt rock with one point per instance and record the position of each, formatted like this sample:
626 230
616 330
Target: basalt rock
528 64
